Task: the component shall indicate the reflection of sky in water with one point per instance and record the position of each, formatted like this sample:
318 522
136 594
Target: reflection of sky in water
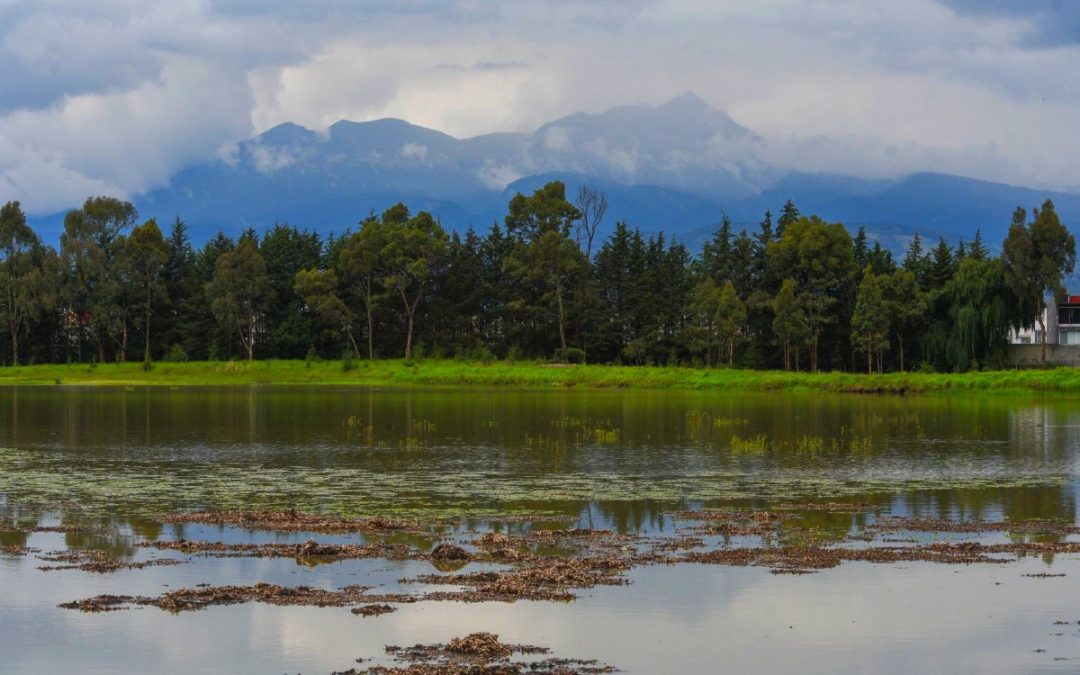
914 617
608 459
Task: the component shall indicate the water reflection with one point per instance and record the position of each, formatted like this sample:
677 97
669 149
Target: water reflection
612 458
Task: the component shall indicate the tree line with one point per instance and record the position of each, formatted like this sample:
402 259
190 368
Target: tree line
794 293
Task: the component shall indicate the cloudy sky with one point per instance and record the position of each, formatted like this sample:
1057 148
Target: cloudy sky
117 95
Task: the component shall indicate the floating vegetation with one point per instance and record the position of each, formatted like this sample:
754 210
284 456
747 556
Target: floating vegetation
193 599
373 610
93 560
293 521
309 549
479 654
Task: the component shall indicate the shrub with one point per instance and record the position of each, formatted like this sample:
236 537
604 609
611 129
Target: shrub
570 355
348 364
176 354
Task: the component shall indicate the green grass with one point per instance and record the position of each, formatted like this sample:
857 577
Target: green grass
539 375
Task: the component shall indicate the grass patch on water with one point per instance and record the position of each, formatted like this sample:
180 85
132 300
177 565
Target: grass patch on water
539 375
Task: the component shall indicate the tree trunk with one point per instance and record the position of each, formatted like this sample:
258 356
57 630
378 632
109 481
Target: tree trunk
814 352
900 339
787 354
408 335
562 318
14 345
731 353
352 341
869 354
1042 325
146 353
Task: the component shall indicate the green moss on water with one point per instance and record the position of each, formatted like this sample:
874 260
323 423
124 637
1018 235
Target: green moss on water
148 487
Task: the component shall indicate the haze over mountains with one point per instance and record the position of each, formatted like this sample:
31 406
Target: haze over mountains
676 167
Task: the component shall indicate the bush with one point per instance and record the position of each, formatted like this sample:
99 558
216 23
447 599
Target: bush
348 364
176 354
514 354
926 367
570 355
147 364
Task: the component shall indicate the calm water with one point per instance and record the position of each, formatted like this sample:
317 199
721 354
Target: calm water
610 459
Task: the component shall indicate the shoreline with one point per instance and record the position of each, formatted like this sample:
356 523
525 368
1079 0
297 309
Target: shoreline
452 373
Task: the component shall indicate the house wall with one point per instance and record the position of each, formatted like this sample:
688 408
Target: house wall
1056 355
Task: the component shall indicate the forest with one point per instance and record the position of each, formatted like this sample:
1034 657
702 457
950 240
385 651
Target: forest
793 293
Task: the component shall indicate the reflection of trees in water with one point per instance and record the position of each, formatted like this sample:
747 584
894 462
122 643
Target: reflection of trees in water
1002 503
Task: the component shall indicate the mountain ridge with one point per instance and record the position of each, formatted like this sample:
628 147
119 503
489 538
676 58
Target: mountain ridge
677 167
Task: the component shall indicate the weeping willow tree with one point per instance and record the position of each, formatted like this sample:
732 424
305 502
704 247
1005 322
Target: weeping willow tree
980 310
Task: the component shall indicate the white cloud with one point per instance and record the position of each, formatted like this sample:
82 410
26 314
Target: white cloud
121 94
414 151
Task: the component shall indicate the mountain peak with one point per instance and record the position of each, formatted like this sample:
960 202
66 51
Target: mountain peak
688 102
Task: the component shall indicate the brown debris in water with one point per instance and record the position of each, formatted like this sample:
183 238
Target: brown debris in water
479 654
92 560
193 599
450 552
309 549
548 580
16 550
898 524
373 610
293 521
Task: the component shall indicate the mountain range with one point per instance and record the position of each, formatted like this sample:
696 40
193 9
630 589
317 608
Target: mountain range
675 168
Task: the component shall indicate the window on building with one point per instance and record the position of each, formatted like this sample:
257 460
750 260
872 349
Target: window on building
1070 337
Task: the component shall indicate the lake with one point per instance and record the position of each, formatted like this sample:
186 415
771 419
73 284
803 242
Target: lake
103 469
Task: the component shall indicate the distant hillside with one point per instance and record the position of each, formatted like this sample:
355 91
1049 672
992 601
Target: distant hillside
676 167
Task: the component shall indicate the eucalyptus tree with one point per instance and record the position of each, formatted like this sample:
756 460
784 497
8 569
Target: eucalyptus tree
147 255
870 322
544 256
414 251
318 289
89 248
817 256
239 293
361 265
1037 257
790 323
25 290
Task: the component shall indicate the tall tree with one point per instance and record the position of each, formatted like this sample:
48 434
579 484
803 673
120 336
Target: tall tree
287 250
790 323
544 255
147 255
89 247
319 291
592 206
24 291
1037 257
870 323
240 292
362 268
817 255
730 318
414 251
788 215
906 306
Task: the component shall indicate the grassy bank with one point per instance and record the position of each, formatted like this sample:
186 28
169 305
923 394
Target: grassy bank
454 373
